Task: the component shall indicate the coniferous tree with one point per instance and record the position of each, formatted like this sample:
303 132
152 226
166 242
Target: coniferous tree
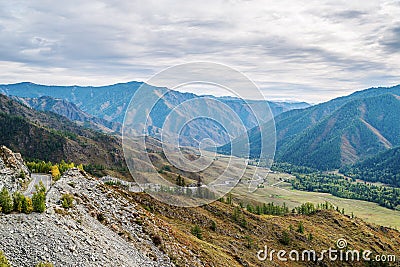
39 198
6 202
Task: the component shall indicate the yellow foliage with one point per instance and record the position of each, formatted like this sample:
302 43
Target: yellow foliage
80 166
55 172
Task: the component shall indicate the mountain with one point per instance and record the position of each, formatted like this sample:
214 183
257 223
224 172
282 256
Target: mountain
71 112
51 137
357 130
339 132
383 167
111 226
110 103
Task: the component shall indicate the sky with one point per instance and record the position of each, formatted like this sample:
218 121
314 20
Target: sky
293 50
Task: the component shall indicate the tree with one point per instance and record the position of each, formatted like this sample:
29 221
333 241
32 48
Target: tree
180 181
3 260
80 166
39 198
213 226
18 200
27 206
285 239
196 231
55 172
67 201
300 228
6 202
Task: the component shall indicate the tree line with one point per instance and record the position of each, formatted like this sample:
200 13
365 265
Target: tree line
19 203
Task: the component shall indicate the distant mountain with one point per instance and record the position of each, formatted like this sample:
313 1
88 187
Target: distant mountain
339 132
357 130
384 168
70 111
110 103
51 137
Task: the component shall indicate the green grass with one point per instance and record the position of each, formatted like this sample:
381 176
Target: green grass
283 193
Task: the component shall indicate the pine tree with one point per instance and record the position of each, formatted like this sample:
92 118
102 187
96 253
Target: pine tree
196 231
55 172
27 206
39 198
300 228
6 201
18 200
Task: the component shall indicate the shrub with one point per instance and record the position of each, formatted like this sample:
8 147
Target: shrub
196 231
55 172
213 226
18 200
3 260
39 198
300 228
157 240
67 201
6 202
22 174
285 239
249 241
27 206
44 264
100 217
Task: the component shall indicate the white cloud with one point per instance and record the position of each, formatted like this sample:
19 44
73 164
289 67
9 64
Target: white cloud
306 50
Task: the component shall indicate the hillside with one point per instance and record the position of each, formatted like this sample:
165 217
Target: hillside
108 225
357 130
71 112
339 132
50 137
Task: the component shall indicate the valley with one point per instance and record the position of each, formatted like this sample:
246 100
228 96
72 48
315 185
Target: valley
232 228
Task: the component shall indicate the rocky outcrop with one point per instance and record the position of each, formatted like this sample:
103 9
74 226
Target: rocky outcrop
13 171
99 230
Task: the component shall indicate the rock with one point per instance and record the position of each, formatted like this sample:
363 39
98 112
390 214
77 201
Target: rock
13 171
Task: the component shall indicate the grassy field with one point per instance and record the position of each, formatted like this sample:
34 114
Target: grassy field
277 191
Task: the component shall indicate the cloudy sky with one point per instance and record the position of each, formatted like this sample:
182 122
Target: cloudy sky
299 50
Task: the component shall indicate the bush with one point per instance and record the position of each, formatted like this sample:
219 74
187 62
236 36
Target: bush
213 226
67 201
285 239
27 206
300 228
196 231
55 172
3 260
18 200
6 202
157 240
22 175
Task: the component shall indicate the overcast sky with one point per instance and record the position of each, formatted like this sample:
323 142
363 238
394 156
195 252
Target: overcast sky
298 50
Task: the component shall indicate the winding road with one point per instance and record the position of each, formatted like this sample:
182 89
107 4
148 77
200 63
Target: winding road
36 178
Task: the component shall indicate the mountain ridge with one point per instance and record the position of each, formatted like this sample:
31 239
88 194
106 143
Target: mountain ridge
300 132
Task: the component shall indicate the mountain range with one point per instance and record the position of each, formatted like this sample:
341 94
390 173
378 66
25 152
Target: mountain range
109 104
50 137
336 133
330 135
